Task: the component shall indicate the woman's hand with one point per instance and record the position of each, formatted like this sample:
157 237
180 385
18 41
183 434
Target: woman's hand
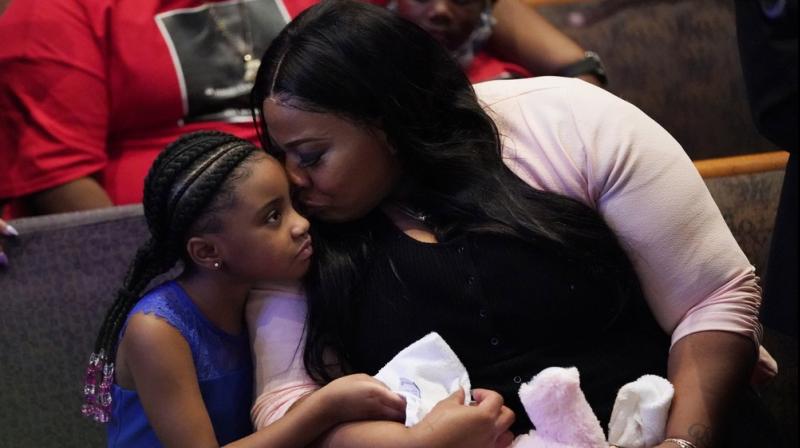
481 425
5 230
360 397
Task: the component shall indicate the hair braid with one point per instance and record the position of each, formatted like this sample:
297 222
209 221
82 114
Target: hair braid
179 191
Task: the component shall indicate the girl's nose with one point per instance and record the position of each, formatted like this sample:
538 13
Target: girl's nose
440 9
300 225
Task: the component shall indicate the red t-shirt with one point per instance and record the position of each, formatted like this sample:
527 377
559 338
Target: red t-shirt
100 87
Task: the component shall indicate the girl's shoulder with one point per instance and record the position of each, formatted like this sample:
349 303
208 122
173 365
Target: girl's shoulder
168 302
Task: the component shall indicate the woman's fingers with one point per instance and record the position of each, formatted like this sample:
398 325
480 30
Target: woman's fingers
7 230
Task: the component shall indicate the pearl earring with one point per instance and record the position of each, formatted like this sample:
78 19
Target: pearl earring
217 265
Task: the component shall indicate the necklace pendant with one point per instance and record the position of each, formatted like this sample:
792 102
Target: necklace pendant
251 65
411 213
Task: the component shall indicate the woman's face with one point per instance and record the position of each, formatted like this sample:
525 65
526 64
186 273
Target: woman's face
341 170
450 21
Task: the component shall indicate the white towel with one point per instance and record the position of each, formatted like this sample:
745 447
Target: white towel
639 417
425 373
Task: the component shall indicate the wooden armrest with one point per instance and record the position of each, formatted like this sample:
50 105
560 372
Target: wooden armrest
746 164
553 2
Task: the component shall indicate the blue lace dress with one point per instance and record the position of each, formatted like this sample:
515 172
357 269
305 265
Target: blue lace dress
224 371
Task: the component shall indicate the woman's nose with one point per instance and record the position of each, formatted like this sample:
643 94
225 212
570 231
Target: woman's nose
296 174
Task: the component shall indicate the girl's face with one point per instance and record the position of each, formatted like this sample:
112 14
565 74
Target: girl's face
450 21
341 170
263 237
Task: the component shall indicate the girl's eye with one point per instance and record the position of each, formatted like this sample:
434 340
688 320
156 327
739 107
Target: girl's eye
306 160
273 217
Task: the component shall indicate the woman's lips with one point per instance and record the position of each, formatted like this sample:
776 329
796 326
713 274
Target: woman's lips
311 206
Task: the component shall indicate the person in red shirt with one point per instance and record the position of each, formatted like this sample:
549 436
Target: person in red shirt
91 90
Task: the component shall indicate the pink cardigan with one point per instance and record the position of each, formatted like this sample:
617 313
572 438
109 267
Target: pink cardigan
570 137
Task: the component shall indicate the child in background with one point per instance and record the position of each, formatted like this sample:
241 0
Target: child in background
463 27
173 367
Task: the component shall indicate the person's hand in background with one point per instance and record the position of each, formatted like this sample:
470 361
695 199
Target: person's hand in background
6 231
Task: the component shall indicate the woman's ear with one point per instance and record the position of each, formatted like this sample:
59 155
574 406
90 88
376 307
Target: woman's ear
204 252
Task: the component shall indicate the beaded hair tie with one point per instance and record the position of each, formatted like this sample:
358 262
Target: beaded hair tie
97 388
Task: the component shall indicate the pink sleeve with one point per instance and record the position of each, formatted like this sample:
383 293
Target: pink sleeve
275 320
570 137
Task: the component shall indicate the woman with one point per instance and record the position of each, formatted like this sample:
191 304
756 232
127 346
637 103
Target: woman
531 223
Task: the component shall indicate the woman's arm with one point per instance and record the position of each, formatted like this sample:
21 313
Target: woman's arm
581 141
707 370
276 324
578 140
525 37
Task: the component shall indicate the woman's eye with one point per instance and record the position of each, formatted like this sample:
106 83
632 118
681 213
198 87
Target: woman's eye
306 160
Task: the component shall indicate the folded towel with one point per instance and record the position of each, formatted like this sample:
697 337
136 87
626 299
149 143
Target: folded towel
558 409
639 417
425 373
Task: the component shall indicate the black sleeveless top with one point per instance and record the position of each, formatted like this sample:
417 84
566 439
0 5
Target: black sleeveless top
508 310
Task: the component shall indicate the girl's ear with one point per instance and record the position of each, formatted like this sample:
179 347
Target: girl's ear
203 252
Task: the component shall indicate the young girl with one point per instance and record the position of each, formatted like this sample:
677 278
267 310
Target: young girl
173 367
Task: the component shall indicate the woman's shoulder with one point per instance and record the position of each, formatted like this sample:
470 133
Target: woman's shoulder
542 92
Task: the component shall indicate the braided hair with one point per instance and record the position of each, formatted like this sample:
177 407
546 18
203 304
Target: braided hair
187 187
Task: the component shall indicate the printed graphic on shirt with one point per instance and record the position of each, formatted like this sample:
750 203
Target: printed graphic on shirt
216 49
409 387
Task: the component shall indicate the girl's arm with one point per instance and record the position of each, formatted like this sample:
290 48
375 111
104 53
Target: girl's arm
449 424
160 364
275 318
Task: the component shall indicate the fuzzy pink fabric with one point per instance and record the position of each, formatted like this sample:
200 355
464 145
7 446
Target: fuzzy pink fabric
557 407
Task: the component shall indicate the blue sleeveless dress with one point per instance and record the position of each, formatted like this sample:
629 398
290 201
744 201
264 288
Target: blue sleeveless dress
224 371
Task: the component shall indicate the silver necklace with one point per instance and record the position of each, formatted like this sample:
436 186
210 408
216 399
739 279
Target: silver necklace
244 46
411 213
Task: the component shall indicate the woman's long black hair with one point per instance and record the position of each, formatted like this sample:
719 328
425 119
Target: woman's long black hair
367 65
188 185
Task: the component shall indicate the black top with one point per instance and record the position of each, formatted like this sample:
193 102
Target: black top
508 310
